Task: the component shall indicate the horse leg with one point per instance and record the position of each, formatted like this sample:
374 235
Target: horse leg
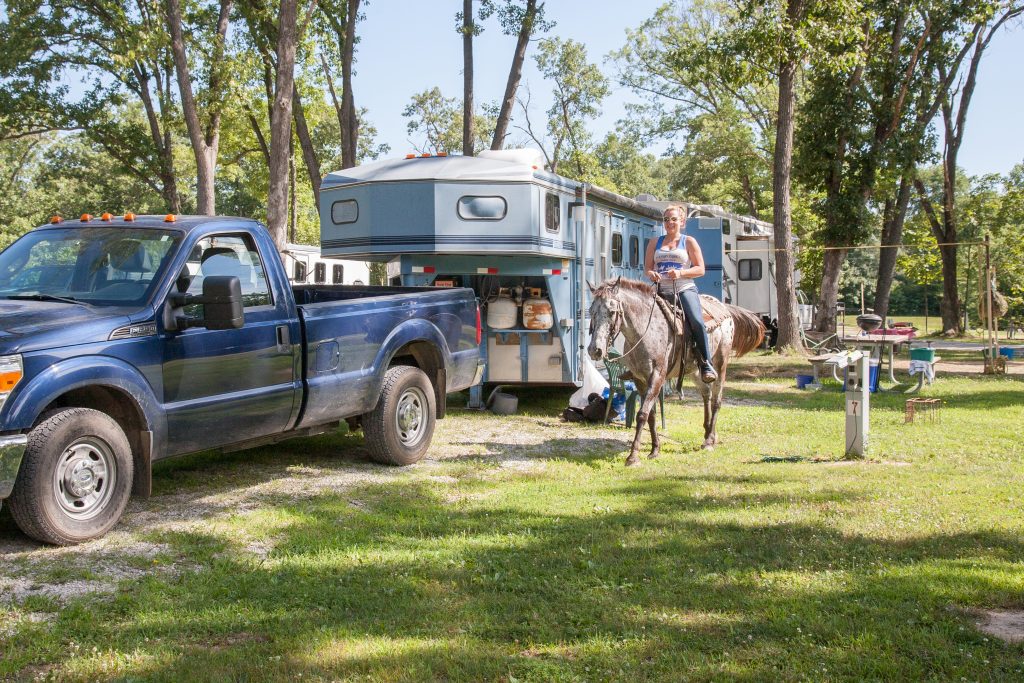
717 389
655 441
644 414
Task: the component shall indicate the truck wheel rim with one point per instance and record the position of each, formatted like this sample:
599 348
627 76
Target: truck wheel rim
83 481
410 417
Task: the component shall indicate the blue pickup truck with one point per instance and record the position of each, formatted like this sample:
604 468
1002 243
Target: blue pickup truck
125 340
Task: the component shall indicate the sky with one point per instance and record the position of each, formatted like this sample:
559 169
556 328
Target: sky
407 46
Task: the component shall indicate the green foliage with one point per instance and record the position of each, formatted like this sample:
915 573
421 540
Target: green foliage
578 89
437 121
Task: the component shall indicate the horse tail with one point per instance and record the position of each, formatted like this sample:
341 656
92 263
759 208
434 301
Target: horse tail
749 330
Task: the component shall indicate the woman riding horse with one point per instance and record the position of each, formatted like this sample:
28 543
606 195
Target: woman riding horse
673 262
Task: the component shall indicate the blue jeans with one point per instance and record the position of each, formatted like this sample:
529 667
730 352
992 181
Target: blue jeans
689 301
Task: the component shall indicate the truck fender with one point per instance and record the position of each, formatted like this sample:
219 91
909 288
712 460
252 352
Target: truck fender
90 372
406 333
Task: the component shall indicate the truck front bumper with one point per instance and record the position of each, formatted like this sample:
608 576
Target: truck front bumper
12 448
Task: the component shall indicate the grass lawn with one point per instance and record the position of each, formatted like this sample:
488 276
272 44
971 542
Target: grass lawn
525 551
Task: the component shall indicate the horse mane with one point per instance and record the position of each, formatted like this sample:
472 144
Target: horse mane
625 283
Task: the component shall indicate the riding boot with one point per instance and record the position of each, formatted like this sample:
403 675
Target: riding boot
707 373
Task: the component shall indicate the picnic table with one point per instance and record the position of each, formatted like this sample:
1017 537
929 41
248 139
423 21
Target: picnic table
884 344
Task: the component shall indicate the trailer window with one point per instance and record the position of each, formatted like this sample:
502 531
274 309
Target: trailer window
299 274
319 273
338 274
344 211
471 208
552 213
634 251
616 249
726 226
750 269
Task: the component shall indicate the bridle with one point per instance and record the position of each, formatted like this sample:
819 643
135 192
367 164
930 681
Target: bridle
614 307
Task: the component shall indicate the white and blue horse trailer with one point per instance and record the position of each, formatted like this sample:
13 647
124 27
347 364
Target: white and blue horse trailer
515 233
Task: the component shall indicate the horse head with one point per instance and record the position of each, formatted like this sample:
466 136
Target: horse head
605 318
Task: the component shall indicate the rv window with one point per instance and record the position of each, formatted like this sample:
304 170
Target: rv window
472 208
552 213
338 274
616 249
300 272
319 273
634 251
345 211
750 269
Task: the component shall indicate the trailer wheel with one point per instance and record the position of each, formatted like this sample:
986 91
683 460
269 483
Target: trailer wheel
399 429
75 478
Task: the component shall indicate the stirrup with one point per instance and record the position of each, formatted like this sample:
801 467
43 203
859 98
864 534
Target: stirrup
708 374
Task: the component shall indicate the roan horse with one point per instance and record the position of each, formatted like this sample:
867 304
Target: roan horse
655 352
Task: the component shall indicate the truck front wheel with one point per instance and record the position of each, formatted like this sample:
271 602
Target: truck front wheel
399 429
75 478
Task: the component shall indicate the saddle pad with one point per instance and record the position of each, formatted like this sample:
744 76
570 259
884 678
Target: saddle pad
715 312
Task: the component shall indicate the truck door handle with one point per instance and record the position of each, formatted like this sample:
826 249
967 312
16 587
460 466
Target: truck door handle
284 343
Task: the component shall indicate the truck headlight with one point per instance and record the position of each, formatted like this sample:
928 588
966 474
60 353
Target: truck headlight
11 370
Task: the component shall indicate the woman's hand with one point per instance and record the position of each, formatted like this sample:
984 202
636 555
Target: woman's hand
654 275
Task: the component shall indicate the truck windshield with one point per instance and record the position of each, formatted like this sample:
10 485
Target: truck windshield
101 266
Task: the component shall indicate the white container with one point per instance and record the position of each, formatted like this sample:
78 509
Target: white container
537 314
502 313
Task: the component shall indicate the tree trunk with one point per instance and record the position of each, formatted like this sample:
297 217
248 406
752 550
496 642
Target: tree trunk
825 316
949 306
468 27
204 142
281 124
350 121
892 236
789 321
515 73
309 156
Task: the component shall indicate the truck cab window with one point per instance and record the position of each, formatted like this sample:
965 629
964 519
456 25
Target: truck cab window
230 255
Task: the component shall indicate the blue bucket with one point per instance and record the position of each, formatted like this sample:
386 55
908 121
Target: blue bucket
1007 351
873 376
803 380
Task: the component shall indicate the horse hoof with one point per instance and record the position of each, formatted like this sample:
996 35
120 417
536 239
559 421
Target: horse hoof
632 460
654 455
708 446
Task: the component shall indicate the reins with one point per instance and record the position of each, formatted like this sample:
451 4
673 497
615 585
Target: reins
650 317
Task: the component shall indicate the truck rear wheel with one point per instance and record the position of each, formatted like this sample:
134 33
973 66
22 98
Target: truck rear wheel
75 478
399 429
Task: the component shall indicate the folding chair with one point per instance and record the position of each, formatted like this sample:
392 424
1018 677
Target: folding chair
617 385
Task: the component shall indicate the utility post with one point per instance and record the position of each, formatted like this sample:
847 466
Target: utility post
858 403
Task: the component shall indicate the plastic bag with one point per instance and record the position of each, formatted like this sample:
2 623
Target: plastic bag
593 383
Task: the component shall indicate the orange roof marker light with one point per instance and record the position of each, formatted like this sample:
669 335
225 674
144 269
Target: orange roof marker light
86 217
442 154
106 217
425 155
170 218
129 217
56 219
410 156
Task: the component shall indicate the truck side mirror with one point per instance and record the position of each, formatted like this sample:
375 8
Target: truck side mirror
222 303
222 306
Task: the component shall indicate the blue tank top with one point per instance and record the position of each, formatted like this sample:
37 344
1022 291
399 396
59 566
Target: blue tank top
670 259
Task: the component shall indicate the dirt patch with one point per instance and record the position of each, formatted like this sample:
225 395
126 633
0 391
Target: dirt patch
1004 624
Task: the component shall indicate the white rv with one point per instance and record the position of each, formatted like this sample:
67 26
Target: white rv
306 266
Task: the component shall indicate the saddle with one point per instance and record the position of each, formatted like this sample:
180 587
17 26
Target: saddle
714 312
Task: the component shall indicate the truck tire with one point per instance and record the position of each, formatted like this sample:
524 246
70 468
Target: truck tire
75 478
399 429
